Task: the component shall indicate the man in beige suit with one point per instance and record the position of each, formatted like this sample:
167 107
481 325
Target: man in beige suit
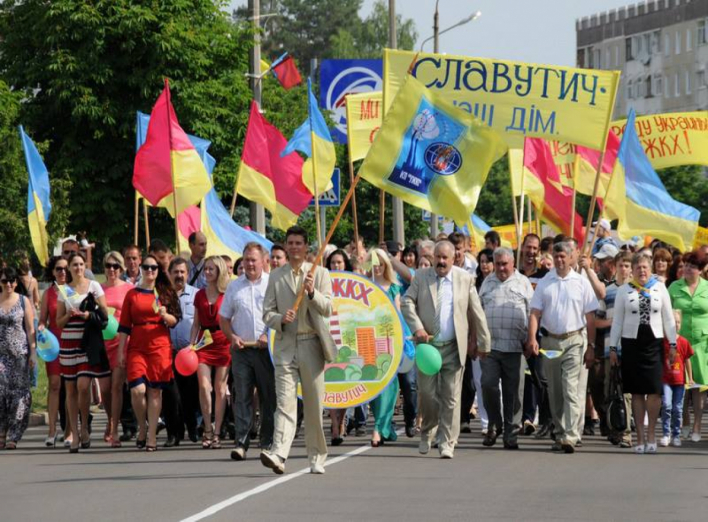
302 345
442 308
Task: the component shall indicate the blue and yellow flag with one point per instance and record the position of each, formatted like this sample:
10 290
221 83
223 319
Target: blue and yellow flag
639 200
313 139
432 154
38 205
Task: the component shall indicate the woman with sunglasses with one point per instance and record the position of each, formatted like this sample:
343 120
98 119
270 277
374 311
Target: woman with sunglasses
76 369
217 355
116 289
57 274
17 359
148 311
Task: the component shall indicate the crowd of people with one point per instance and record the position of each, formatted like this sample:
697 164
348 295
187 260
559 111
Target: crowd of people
533 343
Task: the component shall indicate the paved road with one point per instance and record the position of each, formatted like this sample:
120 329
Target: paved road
394 482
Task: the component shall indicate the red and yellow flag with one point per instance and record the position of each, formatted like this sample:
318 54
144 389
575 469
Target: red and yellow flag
269 179
168 162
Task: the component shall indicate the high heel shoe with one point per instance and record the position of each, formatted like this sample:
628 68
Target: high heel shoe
140 444
73 449
86 443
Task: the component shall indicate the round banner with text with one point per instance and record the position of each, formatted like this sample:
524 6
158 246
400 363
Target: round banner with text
368 333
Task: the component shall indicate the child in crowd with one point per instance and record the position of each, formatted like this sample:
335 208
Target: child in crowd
677 371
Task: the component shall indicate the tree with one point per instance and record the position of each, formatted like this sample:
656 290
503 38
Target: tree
689 185
85 68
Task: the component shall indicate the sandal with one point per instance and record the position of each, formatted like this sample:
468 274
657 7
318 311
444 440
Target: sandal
207 439
115 443
216 442
11 445
150 448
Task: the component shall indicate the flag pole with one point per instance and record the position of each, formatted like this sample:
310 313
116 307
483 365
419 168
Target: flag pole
575 177
172 170
602 212
520 226
147 224
529 209
538 221
136 219
593 200
314 183
351 181
382 215
233 199
320 253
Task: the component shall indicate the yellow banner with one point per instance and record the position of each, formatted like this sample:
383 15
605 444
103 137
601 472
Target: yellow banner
364 117
516 99
701 238
507 233
671 139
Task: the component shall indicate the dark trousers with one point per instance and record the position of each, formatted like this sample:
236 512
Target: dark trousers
468 392
172 411
536 392
127 417
252 368
409 389
62 405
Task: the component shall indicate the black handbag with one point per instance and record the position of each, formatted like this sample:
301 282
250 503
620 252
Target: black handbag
616 409
92 340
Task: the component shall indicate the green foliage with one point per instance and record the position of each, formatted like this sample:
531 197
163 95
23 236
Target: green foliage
85 68
688 185
494 205
369 372
334 374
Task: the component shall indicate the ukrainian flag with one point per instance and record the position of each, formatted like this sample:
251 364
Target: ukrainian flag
313 139
639 200
38 205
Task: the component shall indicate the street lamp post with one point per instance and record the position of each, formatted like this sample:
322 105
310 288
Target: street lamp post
434 225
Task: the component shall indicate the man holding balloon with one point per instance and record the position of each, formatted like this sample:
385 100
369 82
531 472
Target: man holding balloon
442 308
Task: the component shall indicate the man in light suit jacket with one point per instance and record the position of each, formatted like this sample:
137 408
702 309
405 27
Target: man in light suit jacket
442 307
302 345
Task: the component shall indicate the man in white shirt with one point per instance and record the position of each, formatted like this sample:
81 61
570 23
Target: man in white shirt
564 306
241 320
198 248
133 258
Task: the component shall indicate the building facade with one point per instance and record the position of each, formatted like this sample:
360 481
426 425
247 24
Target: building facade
660 46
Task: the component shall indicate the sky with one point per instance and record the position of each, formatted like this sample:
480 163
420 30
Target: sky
540 31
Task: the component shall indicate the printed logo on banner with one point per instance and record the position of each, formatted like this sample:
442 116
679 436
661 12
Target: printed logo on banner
428 149
341 77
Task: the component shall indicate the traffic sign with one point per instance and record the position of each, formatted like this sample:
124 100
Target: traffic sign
330 198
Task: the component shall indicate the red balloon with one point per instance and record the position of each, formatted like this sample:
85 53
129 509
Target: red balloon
186 361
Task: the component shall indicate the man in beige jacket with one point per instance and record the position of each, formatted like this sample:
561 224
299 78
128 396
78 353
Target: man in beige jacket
302 345
442 308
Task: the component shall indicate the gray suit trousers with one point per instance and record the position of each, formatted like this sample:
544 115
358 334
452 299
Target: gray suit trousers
507 368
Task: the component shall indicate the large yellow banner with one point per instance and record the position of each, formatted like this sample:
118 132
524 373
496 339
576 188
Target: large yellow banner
701 238
516 99
364 115
671 139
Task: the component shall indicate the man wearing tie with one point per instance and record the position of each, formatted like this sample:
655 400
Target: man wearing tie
302 345
442 307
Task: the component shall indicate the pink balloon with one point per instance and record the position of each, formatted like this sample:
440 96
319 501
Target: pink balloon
186 361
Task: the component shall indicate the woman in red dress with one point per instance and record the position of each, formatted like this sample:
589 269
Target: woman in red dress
149 310
76 369
217 355
116 289
57 272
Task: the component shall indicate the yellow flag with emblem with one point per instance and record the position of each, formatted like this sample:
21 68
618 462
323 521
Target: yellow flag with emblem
364 115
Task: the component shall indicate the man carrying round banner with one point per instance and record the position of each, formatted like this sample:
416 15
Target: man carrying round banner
442 307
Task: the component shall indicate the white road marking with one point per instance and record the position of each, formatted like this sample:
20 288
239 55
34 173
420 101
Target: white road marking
268 485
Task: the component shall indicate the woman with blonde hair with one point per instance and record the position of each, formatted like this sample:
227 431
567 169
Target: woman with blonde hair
217 355
382 406
115 290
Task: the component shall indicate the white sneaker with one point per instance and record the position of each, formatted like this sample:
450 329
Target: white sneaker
639 449
650 447
317 469
424 447
664 441
274 462
695 437
685 432
446 454
676 442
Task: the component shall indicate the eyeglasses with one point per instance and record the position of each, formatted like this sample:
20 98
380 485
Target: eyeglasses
10 281
154 268
60 269
114 266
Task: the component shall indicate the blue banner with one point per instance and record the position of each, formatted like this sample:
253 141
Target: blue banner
341 77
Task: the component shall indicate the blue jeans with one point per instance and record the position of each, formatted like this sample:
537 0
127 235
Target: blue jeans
672 409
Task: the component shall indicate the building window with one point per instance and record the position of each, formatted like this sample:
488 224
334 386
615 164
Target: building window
688 40
608 60
678 43
630 94
658 85
649 91
597 58
677 92
667 90
628 49
700 80
701 32
688 82
617 55
656 42
667 45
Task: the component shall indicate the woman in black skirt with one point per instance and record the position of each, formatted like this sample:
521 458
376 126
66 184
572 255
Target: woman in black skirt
642 318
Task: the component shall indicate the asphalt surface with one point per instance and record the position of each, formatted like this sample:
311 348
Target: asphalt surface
393 482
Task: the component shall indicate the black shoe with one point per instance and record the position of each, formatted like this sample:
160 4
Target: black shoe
465 428
589 429
410 431
542 432
192 434
160 425
140 444
490 439
567 447
579 444
171 441
337 441
127 435
511 445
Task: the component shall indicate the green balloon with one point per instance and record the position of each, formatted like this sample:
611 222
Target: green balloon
428 359
111 329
